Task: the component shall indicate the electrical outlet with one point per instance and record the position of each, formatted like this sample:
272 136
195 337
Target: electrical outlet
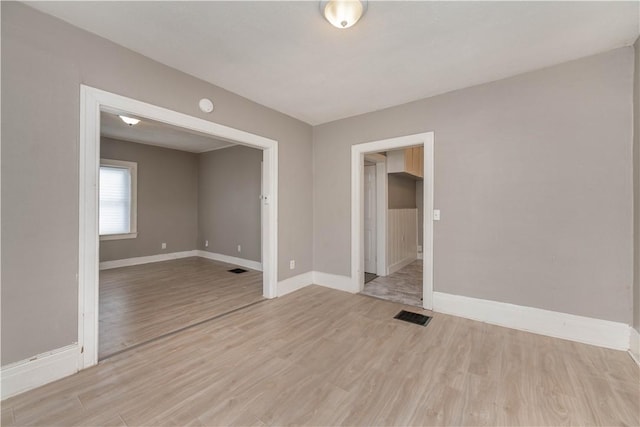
239 248
292 264
164 246
206 243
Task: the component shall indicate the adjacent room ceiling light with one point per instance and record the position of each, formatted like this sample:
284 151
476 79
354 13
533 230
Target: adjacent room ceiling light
129 120
343 13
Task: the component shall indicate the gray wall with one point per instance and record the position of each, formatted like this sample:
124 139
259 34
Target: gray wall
532 175
401 192
44 61
229 188
186 198
167 200
636 188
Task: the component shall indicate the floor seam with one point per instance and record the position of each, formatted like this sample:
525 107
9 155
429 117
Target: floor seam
168 334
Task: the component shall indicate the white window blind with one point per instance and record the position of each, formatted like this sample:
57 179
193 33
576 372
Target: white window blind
115 200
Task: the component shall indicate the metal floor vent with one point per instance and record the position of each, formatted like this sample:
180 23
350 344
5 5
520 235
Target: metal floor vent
237 270
410 317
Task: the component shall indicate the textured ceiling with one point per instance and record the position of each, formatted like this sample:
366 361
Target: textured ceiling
286 56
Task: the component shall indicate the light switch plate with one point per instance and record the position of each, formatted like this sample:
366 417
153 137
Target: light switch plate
436 214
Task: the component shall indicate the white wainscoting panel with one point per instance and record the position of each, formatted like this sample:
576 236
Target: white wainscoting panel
403 238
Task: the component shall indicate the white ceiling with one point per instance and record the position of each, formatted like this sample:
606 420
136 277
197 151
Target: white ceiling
286 56
159 134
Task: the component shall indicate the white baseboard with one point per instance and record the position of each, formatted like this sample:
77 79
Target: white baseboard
254 265
294 283
105 265
400 265
39 370
334 281
246 263
602 333
634 344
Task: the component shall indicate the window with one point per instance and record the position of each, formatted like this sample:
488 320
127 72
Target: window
118 197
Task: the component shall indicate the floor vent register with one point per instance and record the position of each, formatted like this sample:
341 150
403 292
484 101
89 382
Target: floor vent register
410 317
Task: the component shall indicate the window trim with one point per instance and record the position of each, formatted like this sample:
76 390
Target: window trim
133 171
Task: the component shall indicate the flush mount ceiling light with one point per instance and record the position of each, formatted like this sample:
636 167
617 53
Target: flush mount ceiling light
343 13
206 105
129 120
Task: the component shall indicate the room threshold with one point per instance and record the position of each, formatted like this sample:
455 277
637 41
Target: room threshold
176 331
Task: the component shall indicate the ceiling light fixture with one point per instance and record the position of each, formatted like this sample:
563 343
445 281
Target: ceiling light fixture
343 13
206 105
129 120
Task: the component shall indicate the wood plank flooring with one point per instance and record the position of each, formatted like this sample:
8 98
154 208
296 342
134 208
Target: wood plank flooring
143 302
324 357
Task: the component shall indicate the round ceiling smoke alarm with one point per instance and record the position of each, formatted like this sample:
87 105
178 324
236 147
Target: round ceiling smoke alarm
206 105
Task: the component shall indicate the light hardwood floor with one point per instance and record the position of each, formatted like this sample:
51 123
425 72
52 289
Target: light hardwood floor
324 357
143 302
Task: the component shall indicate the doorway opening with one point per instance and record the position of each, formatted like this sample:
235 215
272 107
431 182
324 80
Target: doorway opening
172 230
93 102
392 234
398 275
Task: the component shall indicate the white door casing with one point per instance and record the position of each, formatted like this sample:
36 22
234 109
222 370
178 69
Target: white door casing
358 152
92 101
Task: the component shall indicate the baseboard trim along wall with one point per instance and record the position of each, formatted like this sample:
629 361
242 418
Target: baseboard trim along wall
246 263
334 281
126 262
602 333
47 367
634 344
39 370
294 283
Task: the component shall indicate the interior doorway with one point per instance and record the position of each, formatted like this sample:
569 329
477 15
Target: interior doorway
93 102
390 223
399 279
178 245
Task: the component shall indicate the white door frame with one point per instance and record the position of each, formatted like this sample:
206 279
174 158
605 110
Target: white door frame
92 101
357 206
